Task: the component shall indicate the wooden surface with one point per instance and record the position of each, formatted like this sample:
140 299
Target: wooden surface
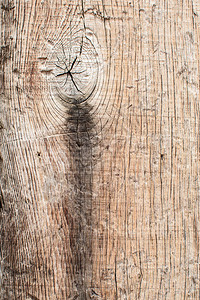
100 165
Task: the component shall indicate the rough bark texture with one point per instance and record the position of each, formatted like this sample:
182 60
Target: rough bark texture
100 194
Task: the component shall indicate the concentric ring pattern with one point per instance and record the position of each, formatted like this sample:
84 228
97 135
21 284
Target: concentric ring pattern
74 64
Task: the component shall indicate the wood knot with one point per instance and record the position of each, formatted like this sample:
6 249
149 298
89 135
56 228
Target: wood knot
73 67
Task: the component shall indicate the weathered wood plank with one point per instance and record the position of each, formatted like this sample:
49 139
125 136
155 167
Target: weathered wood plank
99 149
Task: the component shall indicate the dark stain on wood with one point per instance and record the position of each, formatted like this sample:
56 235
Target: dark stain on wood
80 129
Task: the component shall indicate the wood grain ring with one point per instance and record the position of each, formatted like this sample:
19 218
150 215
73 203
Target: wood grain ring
74 64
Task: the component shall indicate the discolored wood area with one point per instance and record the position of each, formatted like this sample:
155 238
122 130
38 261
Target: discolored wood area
99 156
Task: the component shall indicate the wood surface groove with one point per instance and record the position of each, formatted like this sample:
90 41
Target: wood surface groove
99 166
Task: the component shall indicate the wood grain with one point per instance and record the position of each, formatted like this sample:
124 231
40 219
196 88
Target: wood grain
100 199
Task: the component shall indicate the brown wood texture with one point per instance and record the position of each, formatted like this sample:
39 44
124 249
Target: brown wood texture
100 194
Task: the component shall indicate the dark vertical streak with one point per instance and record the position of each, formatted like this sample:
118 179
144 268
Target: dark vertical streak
172 146
80 128
83 13
116 294
161 121
1 199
